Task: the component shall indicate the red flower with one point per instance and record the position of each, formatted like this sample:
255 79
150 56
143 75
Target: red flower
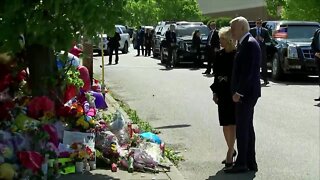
30 160
38 106
5 108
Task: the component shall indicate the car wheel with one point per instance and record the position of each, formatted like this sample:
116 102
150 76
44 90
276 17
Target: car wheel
125 48
162 56
276 68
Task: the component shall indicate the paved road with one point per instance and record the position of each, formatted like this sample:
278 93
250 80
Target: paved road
178 102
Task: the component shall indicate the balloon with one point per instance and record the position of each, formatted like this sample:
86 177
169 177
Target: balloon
99 100
84 75
71 91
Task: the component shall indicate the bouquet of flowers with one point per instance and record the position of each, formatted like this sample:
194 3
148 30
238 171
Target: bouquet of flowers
81 152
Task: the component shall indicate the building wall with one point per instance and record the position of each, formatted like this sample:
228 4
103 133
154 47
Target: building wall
251 9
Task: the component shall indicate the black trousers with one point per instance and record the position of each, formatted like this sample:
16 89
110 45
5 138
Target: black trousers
197 58
210 55
169 59
116 49
264 70
138 49
245 133
148 50
318 67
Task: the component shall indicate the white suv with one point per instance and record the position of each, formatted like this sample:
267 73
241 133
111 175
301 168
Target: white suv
124 42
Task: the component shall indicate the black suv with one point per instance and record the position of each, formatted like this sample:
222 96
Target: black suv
183 53
290 49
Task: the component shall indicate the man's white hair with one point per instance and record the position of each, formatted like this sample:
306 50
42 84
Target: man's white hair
243 22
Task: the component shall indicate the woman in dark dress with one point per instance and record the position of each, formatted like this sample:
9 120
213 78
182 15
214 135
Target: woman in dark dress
196 42
222 95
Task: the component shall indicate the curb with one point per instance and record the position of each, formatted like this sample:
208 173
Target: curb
174 173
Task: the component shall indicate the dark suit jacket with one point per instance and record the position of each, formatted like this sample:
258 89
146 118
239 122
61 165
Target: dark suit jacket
170 38
215 40
246 69
114 41
264 34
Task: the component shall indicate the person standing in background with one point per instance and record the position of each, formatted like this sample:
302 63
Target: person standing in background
213 45
171 40
113 45
196 42
315 45
262 36
140 41
148 42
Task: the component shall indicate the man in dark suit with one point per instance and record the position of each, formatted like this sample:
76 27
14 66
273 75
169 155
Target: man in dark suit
140 40
315 45
246 89
114 46
171 40
262 36
213 45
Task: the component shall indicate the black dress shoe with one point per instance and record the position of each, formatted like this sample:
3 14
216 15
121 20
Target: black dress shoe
318 99
253 167
206 72
236 169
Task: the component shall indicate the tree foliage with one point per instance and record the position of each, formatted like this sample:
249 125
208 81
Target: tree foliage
55 23
307 10
149 12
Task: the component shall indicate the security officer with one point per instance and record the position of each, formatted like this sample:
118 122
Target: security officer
262 36
171 40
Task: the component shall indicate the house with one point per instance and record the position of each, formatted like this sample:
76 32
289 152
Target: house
250 9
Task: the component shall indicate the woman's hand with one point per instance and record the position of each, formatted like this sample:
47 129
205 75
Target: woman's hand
215 98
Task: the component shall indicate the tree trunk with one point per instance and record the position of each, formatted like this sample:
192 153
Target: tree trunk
42 69
88 57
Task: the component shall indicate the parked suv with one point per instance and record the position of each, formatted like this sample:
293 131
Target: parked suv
124 42
183 52
158 36
290 49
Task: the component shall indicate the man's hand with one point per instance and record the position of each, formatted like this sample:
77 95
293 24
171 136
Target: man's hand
236 97
215 98
317 54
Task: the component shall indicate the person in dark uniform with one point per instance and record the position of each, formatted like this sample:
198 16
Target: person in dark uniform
262 36
196 42
213 45
246 90
140 41
315 45
148 42
171 41
221 89
113 45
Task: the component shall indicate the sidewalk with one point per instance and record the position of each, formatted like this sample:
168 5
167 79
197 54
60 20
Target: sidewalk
174 174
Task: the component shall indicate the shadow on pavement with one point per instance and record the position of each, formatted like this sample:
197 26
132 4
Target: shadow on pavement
86 176
174 126
220 175
299 80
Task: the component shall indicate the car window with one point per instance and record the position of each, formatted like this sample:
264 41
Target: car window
123 29
299 31
188 30
118 30
164 29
